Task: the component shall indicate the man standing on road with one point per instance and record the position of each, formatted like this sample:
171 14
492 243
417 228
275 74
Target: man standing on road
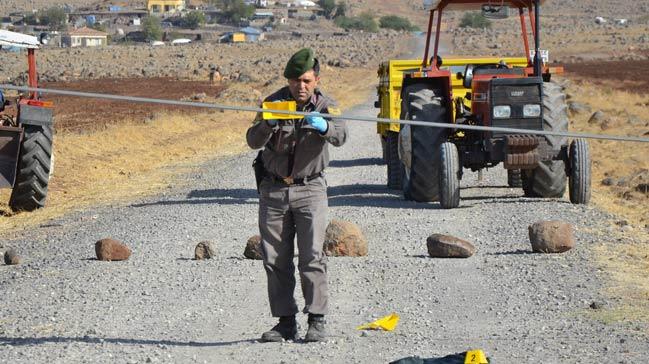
293 198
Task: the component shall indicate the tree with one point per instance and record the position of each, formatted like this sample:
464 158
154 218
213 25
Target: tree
341 9
396 23
474 20
234 10
194 19
328 7
364 22
55 18
152 28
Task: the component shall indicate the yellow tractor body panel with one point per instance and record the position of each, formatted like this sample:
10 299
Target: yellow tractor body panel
391 79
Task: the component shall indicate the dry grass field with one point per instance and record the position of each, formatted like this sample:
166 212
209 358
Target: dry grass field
624 264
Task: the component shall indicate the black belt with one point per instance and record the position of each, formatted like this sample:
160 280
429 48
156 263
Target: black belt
289 181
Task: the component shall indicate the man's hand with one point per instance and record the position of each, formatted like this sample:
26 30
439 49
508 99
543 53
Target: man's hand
318 122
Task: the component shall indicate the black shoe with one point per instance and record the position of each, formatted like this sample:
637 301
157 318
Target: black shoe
316 331
286 329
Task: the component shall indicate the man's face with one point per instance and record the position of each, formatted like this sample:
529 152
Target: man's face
302 87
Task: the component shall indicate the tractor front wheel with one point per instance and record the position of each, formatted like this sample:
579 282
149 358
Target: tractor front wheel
424 104
34 165
549 178
449 176
579 178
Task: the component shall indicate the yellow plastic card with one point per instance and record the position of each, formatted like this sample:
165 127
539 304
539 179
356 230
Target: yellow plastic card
475 357
387 323
334 111
282 106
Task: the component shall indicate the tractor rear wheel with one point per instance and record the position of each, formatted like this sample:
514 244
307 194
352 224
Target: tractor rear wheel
393 162
449 176
579 180
549 178
34 164
514 178
424 104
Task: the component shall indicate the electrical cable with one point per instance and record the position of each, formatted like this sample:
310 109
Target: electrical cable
330 116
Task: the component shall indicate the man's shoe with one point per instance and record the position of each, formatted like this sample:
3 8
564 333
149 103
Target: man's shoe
316 331
286 329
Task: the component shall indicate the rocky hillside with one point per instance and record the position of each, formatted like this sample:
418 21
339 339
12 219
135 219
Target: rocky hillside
251 62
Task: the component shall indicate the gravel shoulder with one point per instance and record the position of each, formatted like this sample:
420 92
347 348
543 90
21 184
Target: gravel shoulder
61 305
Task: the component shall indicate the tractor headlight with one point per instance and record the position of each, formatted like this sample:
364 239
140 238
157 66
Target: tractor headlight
502 112
532 111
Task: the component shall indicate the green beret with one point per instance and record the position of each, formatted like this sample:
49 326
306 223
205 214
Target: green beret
301 62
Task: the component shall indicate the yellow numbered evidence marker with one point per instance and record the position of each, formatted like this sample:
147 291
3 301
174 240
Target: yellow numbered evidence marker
475 357
278 106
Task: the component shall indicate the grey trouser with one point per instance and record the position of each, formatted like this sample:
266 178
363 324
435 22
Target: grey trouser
285 211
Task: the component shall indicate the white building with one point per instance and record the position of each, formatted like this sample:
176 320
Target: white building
84 37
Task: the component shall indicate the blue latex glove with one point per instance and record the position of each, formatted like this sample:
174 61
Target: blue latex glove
317 122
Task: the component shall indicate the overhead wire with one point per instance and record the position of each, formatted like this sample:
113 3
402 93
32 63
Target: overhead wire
330 116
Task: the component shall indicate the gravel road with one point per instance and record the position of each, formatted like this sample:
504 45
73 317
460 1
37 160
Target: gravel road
61 305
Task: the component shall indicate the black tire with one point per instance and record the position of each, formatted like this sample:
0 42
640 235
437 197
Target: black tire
449 176
424 105
405 183
33 175
514 178
384 150
393 162
579 179
549 178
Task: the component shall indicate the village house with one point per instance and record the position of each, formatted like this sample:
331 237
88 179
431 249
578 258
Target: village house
84 37
160 7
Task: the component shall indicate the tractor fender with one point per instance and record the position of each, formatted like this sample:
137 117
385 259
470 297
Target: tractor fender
35 115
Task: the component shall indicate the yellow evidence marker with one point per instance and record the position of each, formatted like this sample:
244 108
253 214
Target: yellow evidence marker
387 323
475 357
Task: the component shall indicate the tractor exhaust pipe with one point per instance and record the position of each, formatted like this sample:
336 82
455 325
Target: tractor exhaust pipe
537 40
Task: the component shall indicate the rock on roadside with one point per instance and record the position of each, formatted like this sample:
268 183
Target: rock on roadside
253 248
11 257
551 237
446 246
344 238
204 250
110 249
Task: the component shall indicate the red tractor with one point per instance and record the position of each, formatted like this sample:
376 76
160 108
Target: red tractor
26 127
510 94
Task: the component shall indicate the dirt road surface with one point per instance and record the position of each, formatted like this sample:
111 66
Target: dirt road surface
61 305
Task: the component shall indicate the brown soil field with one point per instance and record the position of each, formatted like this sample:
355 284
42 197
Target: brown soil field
84 114
630 76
